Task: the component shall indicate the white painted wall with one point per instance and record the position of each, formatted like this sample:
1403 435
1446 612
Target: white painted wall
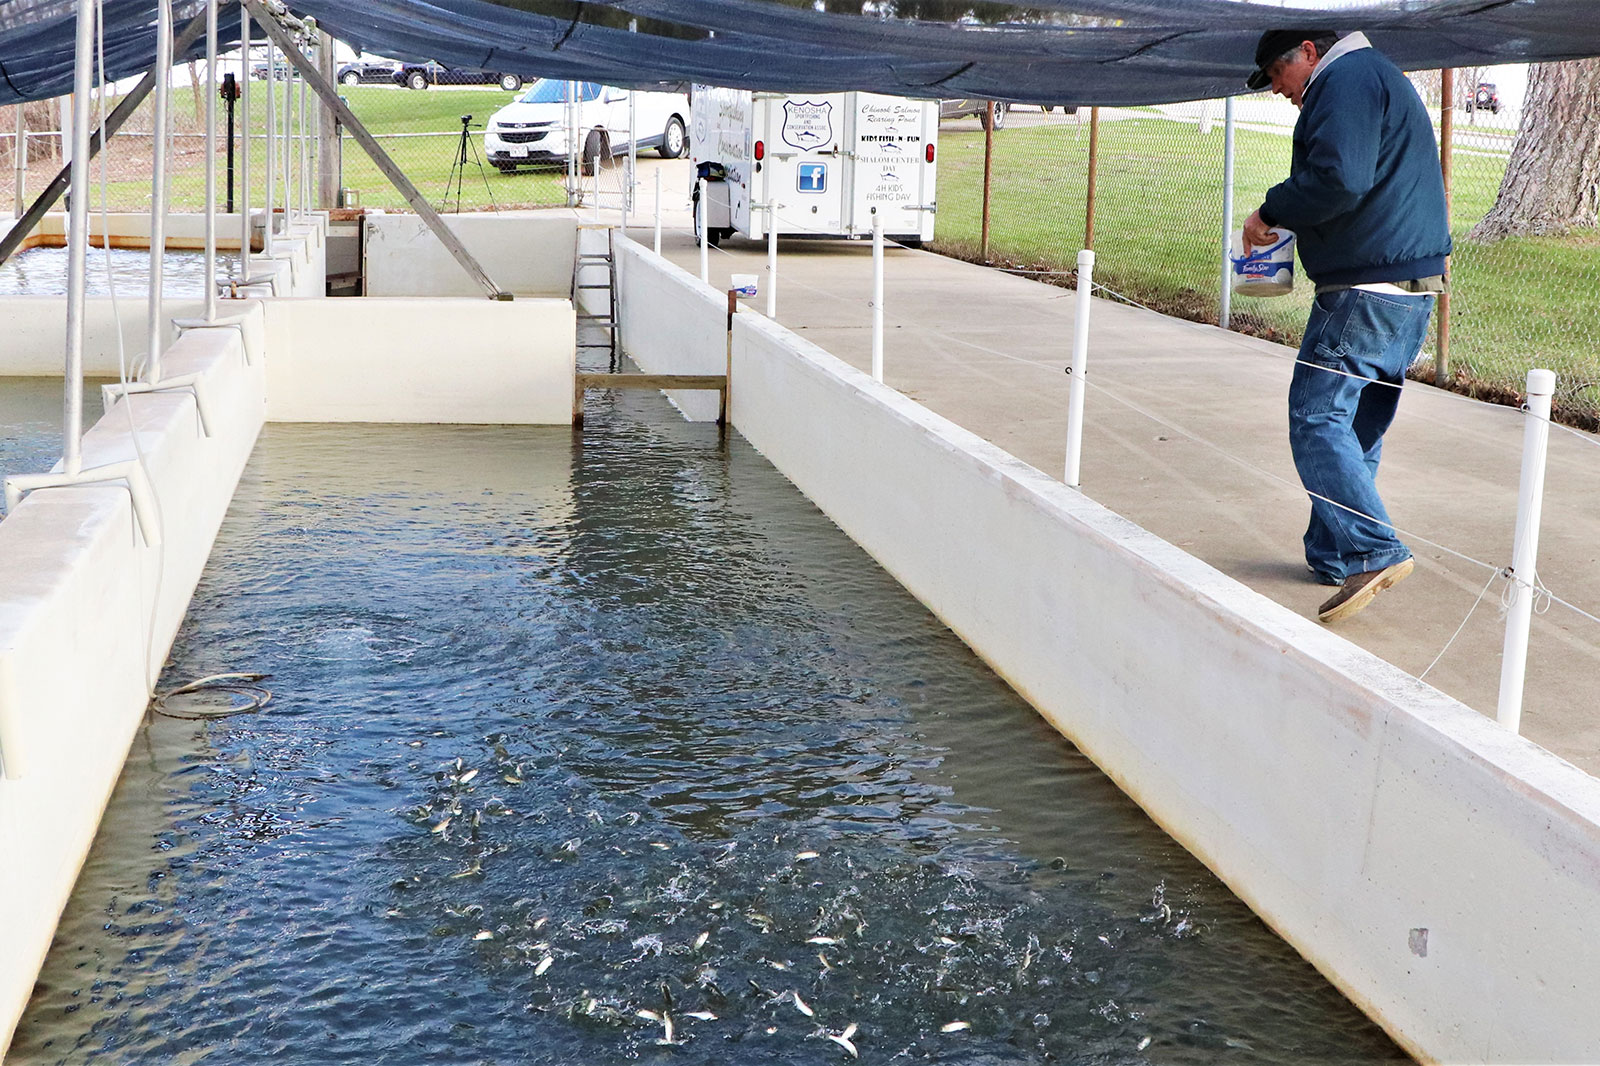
35 331
672 323
1356 809
526 254
406 360
88 615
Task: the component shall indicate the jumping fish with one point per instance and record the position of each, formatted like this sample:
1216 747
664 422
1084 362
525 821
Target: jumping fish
544 964
807 856
824 940
511 779
443 827
701 1015
826 965
700 941
466 778
801 1006
472 870
1144 1043
484 934
843 1040
954 1027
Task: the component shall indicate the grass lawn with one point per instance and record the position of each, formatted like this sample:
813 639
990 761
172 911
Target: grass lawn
1516 303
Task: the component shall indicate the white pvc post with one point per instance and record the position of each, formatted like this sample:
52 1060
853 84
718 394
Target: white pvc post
20 151
158 191
304 189
211 161
1525 548
1226 303
1080 362
705 241
772 259
658 210
877 296
244 143
78 243
597 188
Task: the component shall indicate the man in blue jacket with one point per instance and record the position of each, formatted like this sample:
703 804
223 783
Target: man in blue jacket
1365 199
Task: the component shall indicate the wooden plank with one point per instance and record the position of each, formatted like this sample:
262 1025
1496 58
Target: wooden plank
652 381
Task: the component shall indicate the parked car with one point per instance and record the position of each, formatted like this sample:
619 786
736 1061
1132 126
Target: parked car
258 71
1485 98
422 75
362 71
532 129
965 108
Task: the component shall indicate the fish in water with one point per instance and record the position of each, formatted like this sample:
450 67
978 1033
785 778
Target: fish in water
824 940
443 827
466 778
472 870
955 1027
807 856
484 934
843 1039
700 941
544 964
803 1007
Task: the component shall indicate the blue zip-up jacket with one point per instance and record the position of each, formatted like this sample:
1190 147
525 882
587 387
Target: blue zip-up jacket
1365 196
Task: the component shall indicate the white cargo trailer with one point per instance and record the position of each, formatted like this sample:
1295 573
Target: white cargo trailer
826 162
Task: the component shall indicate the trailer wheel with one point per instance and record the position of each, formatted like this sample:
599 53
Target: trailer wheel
417 80
596 151
1000 109
673 138
510 82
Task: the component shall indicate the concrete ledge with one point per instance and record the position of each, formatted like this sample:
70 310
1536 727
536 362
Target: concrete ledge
526 254
672 323
89 614
404 360
1437 869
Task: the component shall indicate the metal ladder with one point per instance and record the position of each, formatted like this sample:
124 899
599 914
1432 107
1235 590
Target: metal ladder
607 321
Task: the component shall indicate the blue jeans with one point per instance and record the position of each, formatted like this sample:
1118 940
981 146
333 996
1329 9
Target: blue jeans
1337 422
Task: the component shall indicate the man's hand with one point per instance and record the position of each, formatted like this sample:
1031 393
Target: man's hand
1257 234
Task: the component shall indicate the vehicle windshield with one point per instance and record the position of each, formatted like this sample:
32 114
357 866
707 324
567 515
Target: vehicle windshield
550 91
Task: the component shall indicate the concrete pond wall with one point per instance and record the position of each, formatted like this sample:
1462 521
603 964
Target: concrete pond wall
1440 871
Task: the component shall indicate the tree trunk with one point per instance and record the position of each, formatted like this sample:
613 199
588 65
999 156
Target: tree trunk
1552 183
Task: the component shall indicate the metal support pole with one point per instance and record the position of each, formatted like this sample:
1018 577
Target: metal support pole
269 224
1525 548
363 137
1447 140
1225 301
772 259
701 217
158 192
245 237
78 243
1094 167
877 296
305 152
988 177
1079 366
211 160
286 138
658 211
20 152
633 154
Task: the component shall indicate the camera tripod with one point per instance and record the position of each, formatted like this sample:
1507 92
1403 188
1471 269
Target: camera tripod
466 152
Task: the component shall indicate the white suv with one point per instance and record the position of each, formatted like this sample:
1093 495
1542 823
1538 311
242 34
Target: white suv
532 130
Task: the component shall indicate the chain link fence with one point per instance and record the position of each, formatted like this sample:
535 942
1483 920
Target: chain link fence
1516 303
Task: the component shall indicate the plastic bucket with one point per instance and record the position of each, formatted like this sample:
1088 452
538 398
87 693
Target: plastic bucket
1265 271
745 285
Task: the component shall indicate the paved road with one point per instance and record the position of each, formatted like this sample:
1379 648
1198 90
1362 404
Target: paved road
1186 436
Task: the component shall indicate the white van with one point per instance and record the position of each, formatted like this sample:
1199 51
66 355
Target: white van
827 163
533 129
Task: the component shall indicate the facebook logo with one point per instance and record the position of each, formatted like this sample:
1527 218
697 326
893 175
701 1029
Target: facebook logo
813 177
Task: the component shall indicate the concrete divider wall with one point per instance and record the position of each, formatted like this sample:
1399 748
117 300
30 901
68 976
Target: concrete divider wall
527 254
35 330
672 323
87 618
405 360
1436 868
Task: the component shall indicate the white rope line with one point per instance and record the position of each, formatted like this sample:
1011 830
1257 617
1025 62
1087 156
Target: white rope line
1587 438
1283 481
1569 606
1459 628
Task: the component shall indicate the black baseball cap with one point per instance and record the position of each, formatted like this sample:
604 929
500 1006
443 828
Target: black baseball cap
1273 44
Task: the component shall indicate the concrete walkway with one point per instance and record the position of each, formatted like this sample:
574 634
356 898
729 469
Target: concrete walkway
1186 435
